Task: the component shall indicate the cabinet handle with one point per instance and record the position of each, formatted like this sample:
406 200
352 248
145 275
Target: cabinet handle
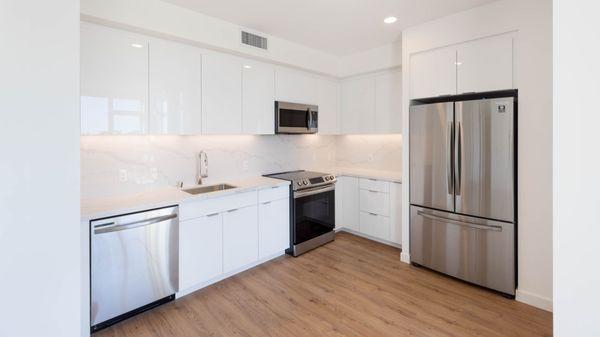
373 214
232 210
211 215
372 191
266 202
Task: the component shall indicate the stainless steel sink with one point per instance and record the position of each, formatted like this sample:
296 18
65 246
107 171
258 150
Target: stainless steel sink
208 189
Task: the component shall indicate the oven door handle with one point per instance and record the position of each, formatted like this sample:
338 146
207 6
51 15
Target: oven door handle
313 191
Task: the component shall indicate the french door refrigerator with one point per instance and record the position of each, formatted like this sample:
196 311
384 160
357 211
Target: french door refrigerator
463 187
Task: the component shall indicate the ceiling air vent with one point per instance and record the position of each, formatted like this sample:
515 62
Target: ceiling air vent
254 40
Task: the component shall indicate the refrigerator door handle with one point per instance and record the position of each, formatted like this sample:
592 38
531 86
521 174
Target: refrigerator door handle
458 168
450 140
460 223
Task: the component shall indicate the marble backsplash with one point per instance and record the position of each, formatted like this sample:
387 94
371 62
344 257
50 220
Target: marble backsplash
116 165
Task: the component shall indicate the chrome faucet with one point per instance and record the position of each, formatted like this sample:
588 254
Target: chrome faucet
202 167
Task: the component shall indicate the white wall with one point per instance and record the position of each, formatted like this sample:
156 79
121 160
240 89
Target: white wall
576 168
532 22
167 20
384 57
39 191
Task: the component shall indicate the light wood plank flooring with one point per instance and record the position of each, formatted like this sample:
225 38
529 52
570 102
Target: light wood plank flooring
350 287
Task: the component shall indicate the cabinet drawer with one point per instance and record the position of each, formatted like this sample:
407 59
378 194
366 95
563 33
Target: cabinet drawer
196 208
374 185
375 202
375 225
273 193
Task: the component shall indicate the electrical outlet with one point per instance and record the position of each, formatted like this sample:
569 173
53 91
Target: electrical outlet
314 157
123 175
371 158
245 165
154 173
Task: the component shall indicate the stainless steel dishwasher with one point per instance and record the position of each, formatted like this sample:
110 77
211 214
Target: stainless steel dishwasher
134 264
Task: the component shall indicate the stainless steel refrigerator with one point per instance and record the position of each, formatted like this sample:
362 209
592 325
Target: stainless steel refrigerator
463 187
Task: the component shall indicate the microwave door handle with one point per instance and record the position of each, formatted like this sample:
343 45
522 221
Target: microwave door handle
308 119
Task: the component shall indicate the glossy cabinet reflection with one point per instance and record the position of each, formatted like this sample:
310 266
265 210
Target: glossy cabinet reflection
114 81
221 94
258 96
175 88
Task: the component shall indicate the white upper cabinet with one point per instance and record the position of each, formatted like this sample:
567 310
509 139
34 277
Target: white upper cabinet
328 95
221 94
388 102
258 98
485 65
433 73
358 105
175 88
114 81
295 86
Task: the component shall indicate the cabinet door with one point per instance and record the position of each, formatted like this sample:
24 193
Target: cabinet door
328 100
396 213
375 225
486 64
114 81
175 88
358 105
240 238
221 94
258 98
273 227
339 205
388 102
200 250
433 73
350 203
294 86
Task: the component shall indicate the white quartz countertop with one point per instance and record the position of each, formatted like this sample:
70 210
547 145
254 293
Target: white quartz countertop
98 208
393 176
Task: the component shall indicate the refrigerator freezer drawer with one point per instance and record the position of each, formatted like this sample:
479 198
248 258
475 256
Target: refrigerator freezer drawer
472 249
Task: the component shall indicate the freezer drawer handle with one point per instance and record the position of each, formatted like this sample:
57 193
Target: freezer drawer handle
460 223
112 227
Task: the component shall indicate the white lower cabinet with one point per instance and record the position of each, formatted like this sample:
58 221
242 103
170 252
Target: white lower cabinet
273 227
350 203
218 236
371 207
375 225
200 250
240 238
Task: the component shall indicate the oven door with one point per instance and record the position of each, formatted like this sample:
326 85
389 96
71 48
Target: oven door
295 118
314 213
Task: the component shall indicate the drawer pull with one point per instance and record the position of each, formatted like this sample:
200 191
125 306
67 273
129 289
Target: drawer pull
266 202
373 214
372 191
232 210
211 215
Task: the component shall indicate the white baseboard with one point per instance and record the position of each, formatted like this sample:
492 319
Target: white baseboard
534 300
221 277
351 231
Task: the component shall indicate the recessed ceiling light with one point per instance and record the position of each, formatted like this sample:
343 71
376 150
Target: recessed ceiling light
390 19
137 45
247 66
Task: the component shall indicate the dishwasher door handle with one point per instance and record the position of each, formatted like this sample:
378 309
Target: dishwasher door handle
113 227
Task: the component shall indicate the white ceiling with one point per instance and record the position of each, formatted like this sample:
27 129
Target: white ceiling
339 27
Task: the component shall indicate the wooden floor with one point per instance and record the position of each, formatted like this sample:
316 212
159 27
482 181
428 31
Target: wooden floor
350 287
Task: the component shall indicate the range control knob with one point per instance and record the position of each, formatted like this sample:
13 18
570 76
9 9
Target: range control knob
331 177
299 183
326 178
305 182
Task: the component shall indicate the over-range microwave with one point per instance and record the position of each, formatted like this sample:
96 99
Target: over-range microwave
296 118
